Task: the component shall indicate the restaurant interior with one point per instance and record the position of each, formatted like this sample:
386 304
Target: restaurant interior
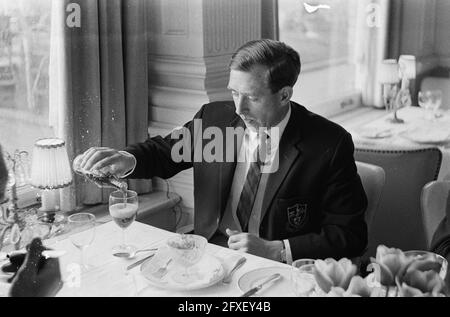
76 74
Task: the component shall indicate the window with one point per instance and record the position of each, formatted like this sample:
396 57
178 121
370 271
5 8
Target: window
24 57
24 60
326 36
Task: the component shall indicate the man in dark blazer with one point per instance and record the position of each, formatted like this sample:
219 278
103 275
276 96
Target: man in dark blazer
311 205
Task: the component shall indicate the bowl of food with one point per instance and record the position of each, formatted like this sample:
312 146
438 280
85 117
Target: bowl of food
187 249
429 256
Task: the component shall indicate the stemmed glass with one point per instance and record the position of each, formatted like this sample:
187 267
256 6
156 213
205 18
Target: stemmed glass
390 93
186 250
83 225
123 206
430 100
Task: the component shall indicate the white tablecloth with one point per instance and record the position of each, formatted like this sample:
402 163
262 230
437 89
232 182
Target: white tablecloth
108 277
417 131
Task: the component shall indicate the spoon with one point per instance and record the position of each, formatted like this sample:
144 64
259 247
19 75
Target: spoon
132 254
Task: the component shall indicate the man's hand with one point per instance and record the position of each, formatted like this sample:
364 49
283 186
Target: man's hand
106 160
37 276
249 243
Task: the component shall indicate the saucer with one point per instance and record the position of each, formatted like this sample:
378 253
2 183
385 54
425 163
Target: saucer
374 132
427 136
281 288
207 272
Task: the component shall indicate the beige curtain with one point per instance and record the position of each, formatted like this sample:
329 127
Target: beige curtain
98 82
374 39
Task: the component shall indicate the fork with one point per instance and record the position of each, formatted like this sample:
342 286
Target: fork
239 263
162 270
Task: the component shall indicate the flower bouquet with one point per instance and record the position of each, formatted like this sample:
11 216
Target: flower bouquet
393 273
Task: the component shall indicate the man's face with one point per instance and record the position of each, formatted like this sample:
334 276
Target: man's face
255 103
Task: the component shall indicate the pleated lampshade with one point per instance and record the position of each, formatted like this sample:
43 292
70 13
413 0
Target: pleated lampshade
50 168
389 72
407 65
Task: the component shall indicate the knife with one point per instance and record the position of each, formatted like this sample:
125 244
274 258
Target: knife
129 267
255 289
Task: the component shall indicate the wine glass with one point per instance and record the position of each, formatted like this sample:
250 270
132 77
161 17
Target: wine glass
83 225
123 206
390 93
430 100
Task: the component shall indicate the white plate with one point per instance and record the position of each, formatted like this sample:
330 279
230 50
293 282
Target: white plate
281 288
427 136
374 132
207 272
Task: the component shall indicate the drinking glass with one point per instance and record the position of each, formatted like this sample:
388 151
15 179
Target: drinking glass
302 277
123 206
390 100
430 100
83 225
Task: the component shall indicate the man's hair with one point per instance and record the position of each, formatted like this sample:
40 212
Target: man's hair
282 61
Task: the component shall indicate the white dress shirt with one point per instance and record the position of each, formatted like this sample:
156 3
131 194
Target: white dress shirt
248 146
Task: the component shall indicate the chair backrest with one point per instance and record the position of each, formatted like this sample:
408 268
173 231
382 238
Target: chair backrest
433 201
373 179
438 83
398 222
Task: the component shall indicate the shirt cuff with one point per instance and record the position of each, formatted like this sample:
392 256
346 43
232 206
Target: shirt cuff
134 165
287 247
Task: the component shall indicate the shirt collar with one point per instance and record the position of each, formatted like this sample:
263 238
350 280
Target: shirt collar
281 126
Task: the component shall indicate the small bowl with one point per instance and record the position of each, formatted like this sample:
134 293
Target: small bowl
427 254
187 249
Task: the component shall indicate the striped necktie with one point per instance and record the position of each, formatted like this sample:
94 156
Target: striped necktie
250 189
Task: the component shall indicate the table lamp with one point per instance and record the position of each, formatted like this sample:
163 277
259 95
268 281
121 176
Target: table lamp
50 171
389 78
407 69
407 72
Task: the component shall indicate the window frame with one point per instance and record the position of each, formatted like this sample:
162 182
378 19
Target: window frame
339 101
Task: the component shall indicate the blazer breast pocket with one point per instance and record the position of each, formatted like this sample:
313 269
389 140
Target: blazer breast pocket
296 211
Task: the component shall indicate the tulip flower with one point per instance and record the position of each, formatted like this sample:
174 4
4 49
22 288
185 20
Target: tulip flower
336 292
418 283
358 287
389 263
331 273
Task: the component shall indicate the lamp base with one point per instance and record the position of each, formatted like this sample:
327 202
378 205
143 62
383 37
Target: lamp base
51 217
395 120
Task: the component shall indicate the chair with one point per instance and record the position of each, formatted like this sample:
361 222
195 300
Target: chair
434 200
373 179
440 83
398 222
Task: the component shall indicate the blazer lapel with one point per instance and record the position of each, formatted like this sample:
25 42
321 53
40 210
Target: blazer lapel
288 152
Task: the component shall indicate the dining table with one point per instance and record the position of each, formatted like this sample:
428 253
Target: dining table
107 275
419 129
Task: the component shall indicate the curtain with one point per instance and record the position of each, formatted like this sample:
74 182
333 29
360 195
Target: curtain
374 40
98 82
395 29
